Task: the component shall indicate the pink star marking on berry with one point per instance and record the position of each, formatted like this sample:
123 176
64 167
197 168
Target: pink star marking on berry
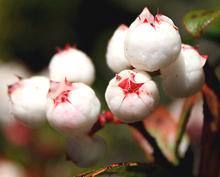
62 98
130 86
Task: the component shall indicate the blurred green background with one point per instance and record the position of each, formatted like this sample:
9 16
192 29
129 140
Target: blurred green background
30 31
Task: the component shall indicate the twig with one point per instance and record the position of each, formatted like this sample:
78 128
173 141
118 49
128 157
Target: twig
212 80
160 159
105 117
116 165
210 145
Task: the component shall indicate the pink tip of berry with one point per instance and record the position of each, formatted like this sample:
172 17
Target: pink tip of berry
118 78
123 27
62 98
158 11
129 86
58 50
156 19
145 21
196 47
67 83
56 88
66 48
205 57
146 9
188 47
13 87
53 86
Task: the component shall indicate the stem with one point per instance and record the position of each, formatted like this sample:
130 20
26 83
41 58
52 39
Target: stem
147 167
105 117
160 159
212 80
210 146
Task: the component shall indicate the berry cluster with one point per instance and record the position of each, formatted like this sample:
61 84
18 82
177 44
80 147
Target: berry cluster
65 100
150 44
70 105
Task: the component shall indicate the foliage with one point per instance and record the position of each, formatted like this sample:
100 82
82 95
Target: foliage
198 21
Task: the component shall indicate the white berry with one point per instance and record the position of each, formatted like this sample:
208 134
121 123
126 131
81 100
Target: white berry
115 55
86 151
131 95
73 65
28 99
72 108
152 42
185 76
10 169
9 73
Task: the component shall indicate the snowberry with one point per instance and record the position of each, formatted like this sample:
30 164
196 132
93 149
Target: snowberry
185 76
72 108
29 98
9 73
131 95
72 64
152 42
86 151
115 50
10 169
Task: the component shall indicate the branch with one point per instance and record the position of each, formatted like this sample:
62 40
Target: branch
212 80
210 145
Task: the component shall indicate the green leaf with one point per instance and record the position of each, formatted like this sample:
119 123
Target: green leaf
197 21
127 169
